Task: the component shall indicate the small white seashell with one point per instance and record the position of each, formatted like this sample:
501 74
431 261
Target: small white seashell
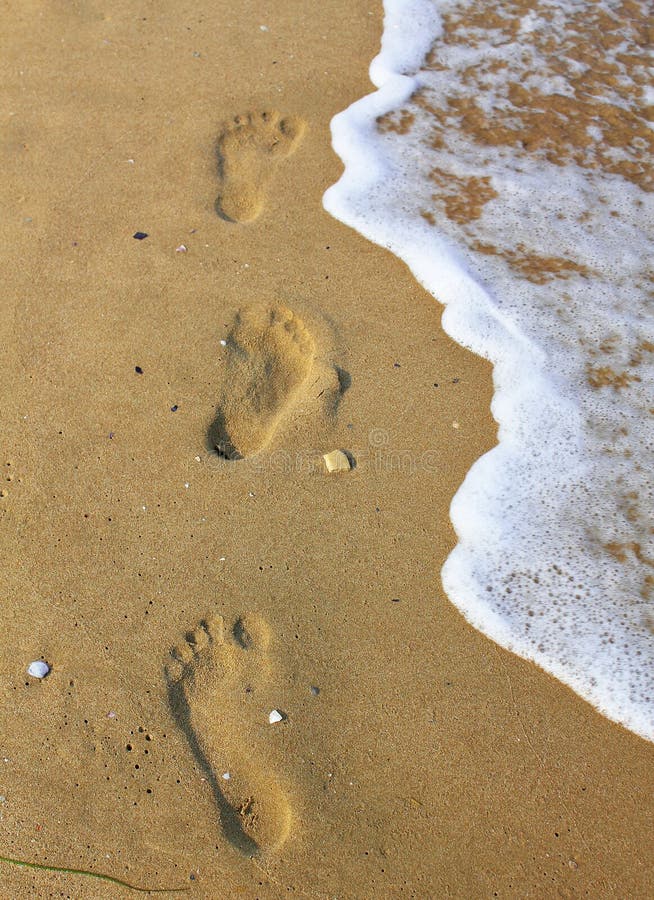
226 776
223 343
275 716
38 669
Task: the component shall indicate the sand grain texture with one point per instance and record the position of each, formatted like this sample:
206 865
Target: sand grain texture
430 763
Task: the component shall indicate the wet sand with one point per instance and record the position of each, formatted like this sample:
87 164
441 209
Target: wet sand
430 762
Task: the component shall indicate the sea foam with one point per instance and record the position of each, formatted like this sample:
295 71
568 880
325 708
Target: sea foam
507 159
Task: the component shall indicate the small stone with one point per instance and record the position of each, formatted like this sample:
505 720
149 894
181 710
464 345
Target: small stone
314 690
226 776
275 716
140 235
38 669
181 249
337 461
223 343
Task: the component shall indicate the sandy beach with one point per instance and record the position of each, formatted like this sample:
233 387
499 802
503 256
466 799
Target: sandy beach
174 547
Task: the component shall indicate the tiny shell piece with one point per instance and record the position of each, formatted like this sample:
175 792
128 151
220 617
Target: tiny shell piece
38 669
275 716
337 461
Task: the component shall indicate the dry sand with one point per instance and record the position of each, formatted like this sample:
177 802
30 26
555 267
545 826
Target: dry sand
430 763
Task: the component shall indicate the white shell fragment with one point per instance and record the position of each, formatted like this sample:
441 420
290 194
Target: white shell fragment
337 461
226 776
38 669
275 716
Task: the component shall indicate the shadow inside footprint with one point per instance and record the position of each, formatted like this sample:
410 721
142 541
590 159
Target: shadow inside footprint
218 440
344 380
230 820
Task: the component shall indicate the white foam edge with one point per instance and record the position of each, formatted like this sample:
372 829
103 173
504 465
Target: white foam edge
433 260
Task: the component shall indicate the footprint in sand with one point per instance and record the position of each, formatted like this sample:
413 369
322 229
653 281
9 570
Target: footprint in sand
248 151
214 681
269 356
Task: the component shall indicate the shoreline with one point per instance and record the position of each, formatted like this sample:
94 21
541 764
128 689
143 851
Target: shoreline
431 760
510 237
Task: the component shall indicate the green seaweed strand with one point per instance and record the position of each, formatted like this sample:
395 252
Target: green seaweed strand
98 875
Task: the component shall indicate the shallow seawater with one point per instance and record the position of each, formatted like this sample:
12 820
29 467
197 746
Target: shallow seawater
507 158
